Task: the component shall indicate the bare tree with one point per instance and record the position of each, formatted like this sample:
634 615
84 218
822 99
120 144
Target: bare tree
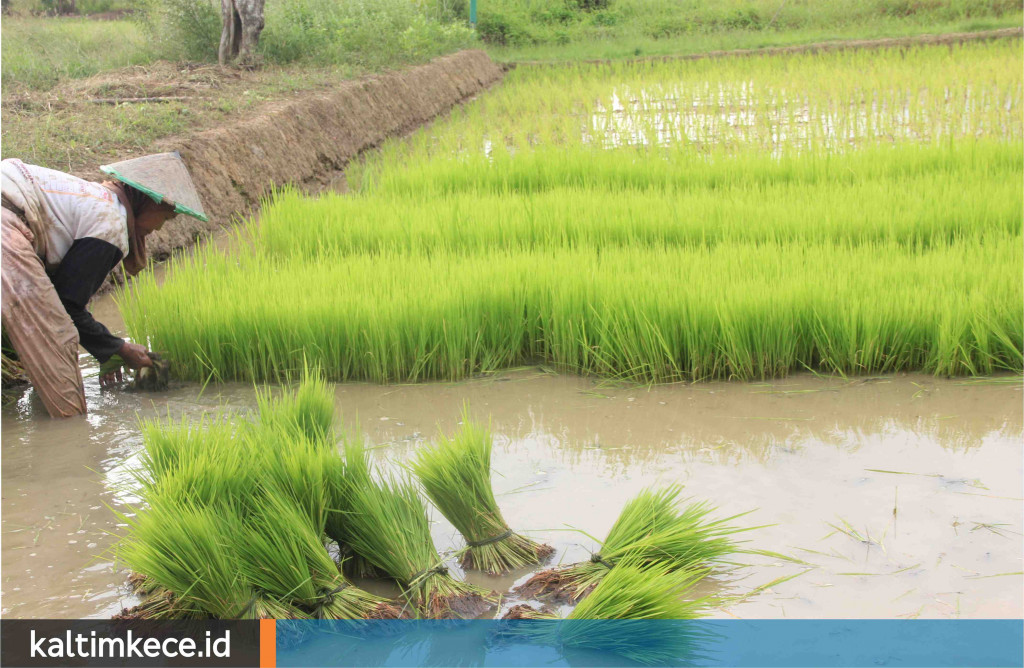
241 25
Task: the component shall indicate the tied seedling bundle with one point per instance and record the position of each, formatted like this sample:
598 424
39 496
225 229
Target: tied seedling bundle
456 475
308 411
633 593
282 555
236 517
650 530
189 567
386 523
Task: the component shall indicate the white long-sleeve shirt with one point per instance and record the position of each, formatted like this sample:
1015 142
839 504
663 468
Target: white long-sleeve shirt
65 207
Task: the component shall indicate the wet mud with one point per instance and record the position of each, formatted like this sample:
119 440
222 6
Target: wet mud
901 495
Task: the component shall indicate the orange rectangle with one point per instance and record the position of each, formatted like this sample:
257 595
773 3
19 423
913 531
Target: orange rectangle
268 643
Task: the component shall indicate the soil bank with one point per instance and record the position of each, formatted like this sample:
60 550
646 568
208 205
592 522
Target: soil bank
307 142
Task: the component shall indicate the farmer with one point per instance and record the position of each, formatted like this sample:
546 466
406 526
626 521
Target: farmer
62 236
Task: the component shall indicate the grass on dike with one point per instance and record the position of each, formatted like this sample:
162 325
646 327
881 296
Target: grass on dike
537 30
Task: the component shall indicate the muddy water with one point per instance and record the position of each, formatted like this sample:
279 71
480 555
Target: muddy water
902 494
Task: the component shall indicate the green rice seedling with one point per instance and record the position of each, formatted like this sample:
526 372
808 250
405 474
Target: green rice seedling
171 444
850 213
738 310
307 411
639 589
633 592
338 478
295 468
180 547
651 529
386 522
222 474
457 477
284 557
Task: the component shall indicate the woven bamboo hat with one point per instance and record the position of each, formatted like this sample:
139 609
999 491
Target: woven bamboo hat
162 176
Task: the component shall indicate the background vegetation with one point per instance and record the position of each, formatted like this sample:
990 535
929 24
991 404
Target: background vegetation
614 28
374 34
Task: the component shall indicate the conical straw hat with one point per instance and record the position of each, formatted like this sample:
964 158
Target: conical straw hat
162 176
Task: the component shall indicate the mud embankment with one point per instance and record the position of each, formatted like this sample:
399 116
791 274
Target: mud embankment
308 141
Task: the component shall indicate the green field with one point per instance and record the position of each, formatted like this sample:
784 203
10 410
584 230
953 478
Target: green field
848 213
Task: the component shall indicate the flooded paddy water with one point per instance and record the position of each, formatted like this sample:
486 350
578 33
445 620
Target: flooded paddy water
902 494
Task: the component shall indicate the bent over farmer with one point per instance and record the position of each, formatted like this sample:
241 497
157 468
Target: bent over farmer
62 236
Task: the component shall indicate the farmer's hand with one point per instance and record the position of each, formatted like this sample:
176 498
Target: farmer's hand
134 355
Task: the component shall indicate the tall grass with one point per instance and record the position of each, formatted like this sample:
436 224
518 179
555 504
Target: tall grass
38 53
367 35
589 27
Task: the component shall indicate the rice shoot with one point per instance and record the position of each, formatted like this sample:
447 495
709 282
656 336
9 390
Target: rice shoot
456 475
386 523
633 591
650 530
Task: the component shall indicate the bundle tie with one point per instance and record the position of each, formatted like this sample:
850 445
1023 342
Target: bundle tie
440 570
249 606
488 541
596 558
340 588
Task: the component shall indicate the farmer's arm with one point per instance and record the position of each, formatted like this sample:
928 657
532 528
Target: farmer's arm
79 276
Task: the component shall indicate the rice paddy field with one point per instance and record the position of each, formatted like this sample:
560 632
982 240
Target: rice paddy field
729 338
661 221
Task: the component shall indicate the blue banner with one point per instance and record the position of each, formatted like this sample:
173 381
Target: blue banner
740 643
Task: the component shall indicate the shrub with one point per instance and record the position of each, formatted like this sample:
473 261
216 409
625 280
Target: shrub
356 32
187 29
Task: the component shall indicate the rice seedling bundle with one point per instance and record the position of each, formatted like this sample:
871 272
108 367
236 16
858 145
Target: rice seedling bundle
307 412
170 445
296 469
636 596
282 555
456 475
182 548
633 591
254 501
651 529
386 523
